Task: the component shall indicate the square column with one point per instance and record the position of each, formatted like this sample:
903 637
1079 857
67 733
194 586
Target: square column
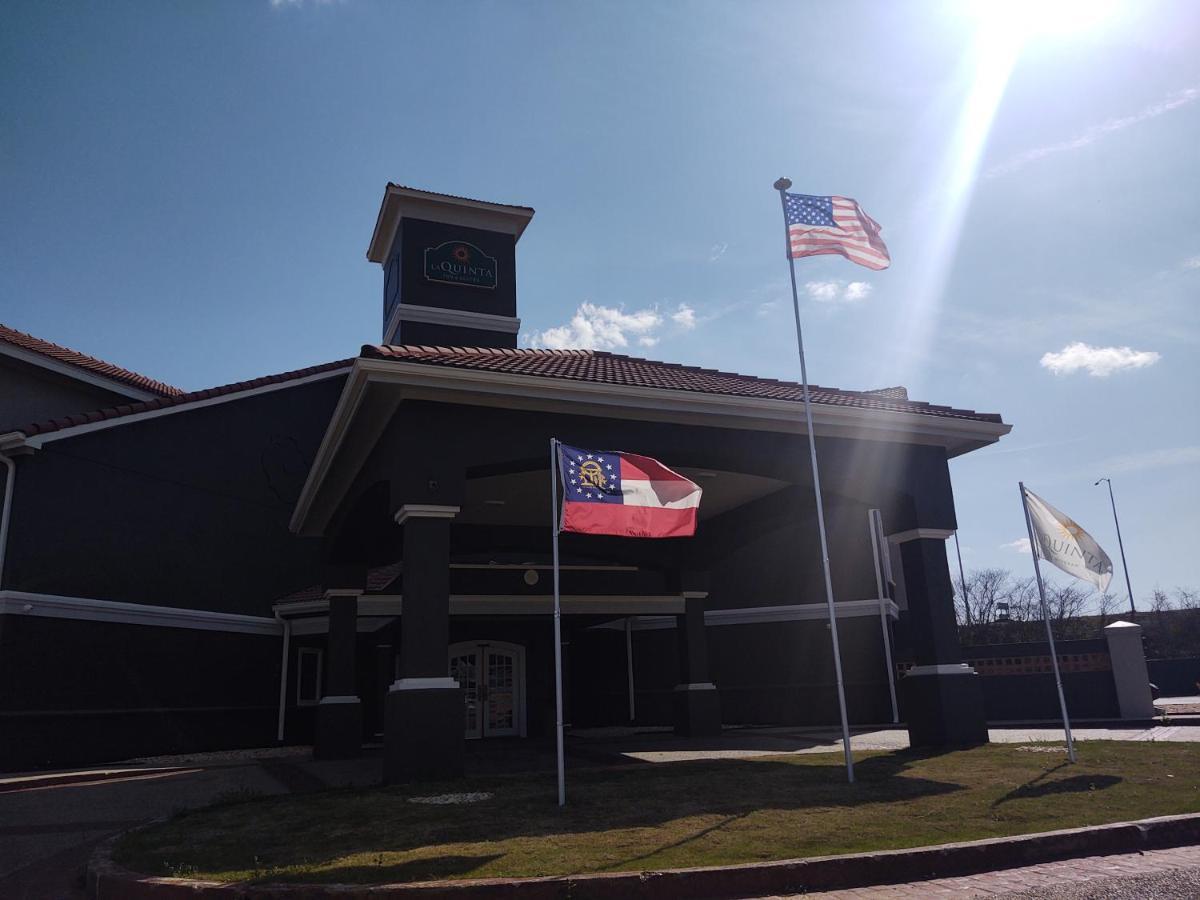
339 712
697 703
1130 675
941 697
423 723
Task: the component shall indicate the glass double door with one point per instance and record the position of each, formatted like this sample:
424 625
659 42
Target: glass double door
492 677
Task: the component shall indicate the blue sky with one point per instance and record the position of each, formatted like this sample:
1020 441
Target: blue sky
188 190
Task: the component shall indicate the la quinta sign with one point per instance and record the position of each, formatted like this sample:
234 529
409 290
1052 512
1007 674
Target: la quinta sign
461 263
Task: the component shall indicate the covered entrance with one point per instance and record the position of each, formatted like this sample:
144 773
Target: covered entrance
491 675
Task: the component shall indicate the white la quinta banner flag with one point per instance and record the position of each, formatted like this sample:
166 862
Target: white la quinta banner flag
1062 542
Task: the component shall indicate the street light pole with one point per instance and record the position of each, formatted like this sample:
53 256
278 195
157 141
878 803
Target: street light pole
1120 543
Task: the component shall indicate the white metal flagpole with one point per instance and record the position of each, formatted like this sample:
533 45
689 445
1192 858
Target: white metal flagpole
558 693
1037 570
782 185
1120 543
875 519
962 575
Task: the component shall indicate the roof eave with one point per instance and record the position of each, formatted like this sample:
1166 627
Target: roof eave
424 381
399 200
78 373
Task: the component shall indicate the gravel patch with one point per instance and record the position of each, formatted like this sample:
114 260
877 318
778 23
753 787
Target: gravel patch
1174 884
453 799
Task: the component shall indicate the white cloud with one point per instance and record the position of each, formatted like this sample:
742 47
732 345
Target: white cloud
858 290
1192 262
598 327
1020 545
1150 459
838 291
1099 362
595 327
684 317
717 251
1095 132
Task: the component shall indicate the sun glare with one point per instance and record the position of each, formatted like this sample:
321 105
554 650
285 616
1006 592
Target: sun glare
998 31
1019 21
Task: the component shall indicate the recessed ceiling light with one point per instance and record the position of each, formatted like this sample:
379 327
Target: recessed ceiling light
493 502
707 474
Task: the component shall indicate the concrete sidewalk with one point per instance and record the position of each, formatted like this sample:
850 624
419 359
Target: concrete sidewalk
1173 873
661 745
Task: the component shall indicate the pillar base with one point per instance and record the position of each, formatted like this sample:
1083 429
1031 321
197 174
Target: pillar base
943 706
339 728
697 710
423 731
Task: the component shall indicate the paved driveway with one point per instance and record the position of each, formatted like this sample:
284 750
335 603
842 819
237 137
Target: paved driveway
47 830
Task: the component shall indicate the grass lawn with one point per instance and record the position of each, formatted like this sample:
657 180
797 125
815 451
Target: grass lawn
666 816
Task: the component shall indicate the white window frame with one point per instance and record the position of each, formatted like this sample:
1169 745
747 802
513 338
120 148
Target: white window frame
300 654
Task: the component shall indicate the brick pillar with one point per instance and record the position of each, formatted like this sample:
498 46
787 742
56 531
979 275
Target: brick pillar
423 729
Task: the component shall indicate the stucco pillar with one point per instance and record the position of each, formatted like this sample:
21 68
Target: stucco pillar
697 703
423 729
1130 675
339 712
941 697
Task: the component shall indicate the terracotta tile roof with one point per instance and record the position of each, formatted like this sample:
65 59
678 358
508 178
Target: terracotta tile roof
579 365
83 361
611 368
180 399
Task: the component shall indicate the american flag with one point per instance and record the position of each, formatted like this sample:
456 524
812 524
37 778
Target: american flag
819 225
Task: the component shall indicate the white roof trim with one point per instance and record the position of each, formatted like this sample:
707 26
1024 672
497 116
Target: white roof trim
403 202
454 318
17 438
71 370
53 606
424 381
503 605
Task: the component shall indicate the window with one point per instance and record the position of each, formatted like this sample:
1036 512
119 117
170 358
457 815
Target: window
308 676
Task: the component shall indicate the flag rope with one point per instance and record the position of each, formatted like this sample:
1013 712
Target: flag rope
782 185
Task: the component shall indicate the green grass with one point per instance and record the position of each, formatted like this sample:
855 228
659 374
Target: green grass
665 816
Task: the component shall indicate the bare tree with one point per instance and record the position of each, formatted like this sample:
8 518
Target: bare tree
1107 606
977 604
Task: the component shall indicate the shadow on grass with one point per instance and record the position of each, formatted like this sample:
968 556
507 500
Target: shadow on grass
316 830
1041 787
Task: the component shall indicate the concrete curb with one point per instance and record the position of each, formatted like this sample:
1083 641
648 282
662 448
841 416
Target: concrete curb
107 880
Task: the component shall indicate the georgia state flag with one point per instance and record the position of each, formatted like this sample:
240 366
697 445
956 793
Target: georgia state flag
623 494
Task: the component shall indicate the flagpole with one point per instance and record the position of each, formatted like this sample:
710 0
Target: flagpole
1037 570
962 578
875 517
1121 544
782 185
558 694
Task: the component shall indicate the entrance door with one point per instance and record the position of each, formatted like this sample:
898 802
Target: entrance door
492 677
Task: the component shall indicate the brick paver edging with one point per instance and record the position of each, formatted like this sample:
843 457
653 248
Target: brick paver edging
108 880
